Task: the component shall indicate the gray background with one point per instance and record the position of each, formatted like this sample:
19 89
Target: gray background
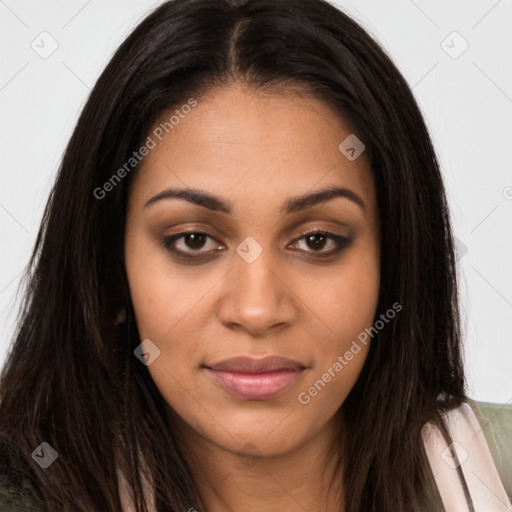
464 93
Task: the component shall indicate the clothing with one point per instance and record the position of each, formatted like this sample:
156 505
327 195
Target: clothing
495 421
480 473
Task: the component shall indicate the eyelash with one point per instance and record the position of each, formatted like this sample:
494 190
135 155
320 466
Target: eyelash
341 241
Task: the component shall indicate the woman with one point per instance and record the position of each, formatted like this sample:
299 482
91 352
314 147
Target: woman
243 293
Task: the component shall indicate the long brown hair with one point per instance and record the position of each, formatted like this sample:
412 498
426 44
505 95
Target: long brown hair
71 378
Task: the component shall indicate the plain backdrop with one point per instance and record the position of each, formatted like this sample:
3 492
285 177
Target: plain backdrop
456 55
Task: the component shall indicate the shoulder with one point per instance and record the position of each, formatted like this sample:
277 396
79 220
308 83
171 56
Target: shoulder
496 423
493 409
493 422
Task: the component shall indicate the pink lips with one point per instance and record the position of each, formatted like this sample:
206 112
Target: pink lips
255 379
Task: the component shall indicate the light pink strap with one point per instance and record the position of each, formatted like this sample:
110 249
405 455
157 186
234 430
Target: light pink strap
468 450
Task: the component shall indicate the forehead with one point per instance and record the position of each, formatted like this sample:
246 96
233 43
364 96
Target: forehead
252 147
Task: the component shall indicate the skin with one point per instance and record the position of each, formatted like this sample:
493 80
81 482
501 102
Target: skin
255 150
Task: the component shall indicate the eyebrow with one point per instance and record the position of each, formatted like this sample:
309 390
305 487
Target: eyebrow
291 205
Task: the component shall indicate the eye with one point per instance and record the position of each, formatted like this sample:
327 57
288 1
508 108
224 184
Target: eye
189 244
192 240
318 239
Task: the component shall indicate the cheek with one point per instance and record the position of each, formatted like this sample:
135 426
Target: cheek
344 301
164 294
167 310
341 300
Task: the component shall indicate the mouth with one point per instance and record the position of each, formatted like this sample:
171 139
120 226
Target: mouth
255 379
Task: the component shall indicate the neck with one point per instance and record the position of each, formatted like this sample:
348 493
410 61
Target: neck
306 478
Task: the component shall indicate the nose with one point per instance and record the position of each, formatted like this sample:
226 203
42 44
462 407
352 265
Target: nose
257 296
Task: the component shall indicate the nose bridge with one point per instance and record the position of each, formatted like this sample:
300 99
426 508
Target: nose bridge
254 268
256 296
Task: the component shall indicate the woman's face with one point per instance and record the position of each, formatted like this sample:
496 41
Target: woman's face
254 286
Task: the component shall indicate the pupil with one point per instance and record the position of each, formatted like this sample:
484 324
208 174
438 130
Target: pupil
316 245
196 239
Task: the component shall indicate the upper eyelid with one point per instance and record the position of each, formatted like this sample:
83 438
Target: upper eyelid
205 232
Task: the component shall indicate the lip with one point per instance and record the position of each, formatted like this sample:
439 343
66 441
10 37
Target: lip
247 364
255 379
